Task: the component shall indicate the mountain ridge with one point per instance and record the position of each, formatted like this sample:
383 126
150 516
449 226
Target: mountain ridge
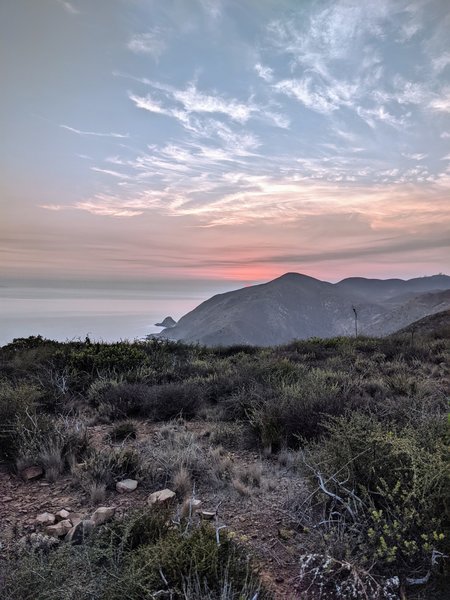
297 306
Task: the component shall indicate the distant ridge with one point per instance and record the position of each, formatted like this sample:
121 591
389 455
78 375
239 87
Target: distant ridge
297 306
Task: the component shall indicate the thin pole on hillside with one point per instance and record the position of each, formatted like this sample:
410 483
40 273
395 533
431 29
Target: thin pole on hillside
356 321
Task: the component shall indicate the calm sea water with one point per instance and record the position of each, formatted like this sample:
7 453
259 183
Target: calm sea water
108 315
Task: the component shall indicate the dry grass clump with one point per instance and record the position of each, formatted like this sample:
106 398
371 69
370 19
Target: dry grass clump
233 435
52 443
175 456
182 482
103 468
96 492
247 479
123 431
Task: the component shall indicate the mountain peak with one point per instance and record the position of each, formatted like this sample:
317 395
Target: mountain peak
292 276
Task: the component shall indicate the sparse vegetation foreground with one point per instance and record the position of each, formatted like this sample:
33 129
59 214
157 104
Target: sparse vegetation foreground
318 469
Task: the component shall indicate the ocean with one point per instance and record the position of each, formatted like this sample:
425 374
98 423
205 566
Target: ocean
72 313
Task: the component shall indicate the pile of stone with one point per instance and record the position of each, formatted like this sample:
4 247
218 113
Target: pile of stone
72 526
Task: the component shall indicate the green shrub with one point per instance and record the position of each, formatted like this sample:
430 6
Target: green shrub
181 563
283 415
136 558
388 486
119 400
126 430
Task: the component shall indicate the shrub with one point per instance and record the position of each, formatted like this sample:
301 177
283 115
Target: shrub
16 401
326 578
163 402
184 565
137 557
126 430
282 416
107 467
387 486
54 444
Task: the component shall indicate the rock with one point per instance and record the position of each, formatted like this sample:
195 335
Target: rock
208 515
33 472
168 322
75 518
161 497
60 529
103 514
62 515
193 504
78 533
45 518
126 485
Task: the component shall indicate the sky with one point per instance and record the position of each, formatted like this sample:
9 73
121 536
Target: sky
223 142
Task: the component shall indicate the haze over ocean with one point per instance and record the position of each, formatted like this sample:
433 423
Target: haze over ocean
108 312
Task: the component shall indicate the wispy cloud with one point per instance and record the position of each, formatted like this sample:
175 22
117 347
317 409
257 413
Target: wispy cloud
53 207
372 116
194 100
441 103
151 42
417 156
213 8
190 106
70 8
441 62
264 72
94 133
110 172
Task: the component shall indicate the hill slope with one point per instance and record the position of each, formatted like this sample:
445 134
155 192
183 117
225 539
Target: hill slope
296 306
435 326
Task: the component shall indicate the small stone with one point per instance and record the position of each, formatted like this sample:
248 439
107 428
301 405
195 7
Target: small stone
33 472
78 533
60 529
126 485
208 515
103 514
45 518
161 497
62 515
7 499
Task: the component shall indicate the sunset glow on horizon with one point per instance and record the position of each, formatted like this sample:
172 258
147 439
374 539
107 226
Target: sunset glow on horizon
207 140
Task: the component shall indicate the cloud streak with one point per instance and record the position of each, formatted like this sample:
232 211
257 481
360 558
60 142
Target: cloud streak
94 133
151 43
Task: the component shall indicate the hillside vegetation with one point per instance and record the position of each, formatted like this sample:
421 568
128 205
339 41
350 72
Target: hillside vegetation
324 461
